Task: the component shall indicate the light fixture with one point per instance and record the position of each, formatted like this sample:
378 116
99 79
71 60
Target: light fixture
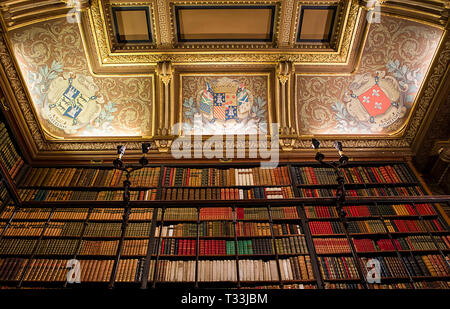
145 148
118 163
316 145
343 158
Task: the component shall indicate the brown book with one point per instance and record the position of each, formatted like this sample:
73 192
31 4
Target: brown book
42 176
93 178
49 177
74 181
29 177
59 267
121 271
69 177
97 276
9 267
88 270
302 271
295 268
43 270
51 270
31 273
101 271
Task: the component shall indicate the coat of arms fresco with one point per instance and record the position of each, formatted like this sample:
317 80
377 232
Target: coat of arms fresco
70 101
224 105
380 96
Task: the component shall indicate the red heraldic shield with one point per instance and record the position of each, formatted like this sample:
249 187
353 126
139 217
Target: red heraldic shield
375 101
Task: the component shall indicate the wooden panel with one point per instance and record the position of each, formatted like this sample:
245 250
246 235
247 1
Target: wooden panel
132 24
236 23
316 23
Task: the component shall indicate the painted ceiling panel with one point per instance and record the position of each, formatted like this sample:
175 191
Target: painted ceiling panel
380 96
69 100
191 23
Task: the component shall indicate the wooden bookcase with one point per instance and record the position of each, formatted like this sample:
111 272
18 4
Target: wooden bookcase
218 240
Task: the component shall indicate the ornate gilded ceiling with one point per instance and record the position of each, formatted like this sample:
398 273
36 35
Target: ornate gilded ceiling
129 71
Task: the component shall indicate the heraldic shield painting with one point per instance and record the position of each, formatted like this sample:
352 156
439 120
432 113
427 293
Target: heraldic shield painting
224 104
380 96
70 102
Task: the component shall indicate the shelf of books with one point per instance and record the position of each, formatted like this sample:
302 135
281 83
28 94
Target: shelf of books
234 226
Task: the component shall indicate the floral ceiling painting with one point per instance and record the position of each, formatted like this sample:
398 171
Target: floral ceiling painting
380 96
69 101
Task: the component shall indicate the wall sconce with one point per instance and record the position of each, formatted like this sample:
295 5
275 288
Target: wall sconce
343 158
118 163
316 144
145 148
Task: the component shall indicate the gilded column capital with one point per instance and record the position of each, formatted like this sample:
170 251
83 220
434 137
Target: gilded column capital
165 71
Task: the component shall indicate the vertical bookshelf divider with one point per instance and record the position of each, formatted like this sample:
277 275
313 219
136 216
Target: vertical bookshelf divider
9 185
269 212
197 250
80 240
153 227
125 220
355 256
150 246
311 247
158 249
36 246
306 231
160 182
7 200
431 234
236 247
424 186
395 247
16 208
5 203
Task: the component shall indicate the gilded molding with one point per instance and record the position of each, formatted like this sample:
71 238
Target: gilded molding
19 93
285 26
339 29
224 54
115 46
164 26
4 104
435 78
163 143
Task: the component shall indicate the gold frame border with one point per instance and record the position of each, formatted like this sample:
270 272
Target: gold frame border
110 28
343 7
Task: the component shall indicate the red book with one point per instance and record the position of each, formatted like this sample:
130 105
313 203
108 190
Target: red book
187 176
240 213
360 180
374 173
347 271
331 276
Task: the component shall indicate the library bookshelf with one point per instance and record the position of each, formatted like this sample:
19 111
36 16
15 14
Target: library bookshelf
224 226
